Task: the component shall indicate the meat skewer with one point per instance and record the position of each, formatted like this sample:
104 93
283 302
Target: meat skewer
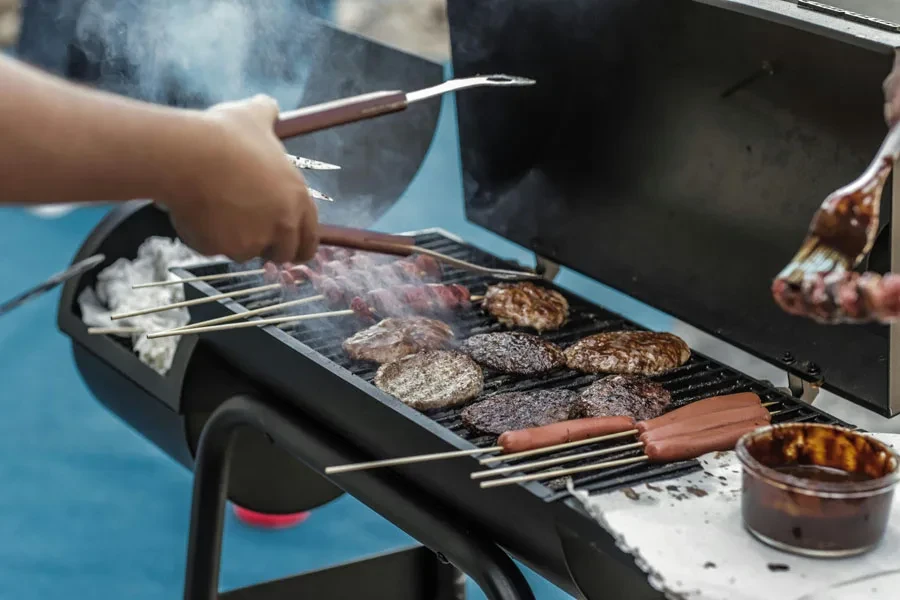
382 302
238 316
409 268
323 255
196 301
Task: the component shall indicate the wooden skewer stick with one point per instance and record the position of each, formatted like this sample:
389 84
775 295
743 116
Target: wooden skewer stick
185 329
554 461
113 330
565 472
258 323
406 460
251 272
196 301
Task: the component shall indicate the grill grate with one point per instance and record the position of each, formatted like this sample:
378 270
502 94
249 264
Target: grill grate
699 378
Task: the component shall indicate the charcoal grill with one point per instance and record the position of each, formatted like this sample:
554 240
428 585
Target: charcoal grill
598 203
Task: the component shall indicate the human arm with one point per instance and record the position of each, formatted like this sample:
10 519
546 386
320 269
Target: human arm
221 173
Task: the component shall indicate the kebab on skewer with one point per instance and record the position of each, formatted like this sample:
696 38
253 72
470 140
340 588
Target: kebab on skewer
413 268
399 301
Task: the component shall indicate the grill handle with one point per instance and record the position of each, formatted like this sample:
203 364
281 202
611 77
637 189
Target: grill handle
362 239
338 112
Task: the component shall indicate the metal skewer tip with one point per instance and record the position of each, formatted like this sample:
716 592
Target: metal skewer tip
317 195
312 165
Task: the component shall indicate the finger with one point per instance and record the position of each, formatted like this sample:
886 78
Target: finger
309 231
263 108
284 246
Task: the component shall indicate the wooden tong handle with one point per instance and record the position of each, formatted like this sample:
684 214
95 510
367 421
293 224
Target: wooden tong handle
338 112
371 241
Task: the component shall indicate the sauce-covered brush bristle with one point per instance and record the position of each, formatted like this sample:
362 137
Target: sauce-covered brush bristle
820 283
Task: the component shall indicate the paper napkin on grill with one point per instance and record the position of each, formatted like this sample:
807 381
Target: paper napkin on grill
687 534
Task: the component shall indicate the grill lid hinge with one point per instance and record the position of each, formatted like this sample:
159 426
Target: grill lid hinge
801 389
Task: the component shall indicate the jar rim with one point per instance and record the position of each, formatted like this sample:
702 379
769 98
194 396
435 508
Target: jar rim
842 489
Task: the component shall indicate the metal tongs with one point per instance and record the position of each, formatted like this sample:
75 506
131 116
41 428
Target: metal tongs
367 106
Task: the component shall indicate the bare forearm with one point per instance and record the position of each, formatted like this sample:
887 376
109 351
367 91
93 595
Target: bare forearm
64 143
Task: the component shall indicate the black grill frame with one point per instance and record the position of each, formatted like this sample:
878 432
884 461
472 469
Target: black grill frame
700 377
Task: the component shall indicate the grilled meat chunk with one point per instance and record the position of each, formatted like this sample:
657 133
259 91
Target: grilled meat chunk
431 379
392 339
526 305
633 352
518 410
622 395
512 352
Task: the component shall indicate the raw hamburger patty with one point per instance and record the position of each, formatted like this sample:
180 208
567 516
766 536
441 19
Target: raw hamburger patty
392 339
526 305
431 379
634 352
622 395
510 352
518 410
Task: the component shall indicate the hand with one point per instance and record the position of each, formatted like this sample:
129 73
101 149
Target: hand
239 195
892 94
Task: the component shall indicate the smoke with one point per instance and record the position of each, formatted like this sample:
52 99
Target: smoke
198 52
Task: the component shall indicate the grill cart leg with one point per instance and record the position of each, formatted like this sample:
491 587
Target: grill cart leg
420 516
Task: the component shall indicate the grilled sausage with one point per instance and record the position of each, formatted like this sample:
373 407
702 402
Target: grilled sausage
701 408
560 433
703 423
691 446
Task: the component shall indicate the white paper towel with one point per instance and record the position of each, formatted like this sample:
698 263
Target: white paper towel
687 534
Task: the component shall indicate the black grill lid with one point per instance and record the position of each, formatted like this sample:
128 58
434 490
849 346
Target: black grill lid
676 151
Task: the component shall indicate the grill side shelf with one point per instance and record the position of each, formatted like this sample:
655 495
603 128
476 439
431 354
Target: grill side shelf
701 377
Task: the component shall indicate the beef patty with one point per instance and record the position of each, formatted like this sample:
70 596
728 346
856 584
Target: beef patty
392 339
512 352
431 379
518 410
526 305
622 395
632 352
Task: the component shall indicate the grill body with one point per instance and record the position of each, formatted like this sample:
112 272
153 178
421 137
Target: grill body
303 369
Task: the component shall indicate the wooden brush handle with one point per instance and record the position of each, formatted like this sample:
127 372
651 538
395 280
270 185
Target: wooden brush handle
338 112
371 241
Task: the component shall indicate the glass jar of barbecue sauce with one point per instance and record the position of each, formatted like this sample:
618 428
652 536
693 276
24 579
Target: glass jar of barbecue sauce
816 490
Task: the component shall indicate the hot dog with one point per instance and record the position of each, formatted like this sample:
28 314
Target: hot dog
700 408
705 422
691 446
563 432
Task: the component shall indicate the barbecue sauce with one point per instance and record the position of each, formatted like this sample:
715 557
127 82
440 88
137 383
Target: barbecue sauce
817 490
